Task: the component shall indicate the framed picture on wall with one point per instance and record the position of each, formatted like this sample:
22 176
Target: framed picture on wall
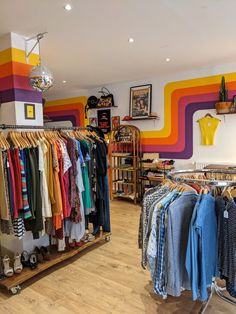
115 122
93 122
104 120
30 111
140 101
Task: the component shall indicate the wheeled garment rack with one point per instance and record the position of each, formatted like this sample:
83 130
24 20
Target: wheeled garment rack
187 176
13 283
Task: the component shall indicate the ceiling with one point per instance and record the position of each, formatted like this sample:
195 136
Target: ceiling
88 46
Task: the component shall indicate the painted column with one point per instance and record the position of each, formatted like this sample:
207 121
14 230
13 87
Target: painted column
15 92
15 89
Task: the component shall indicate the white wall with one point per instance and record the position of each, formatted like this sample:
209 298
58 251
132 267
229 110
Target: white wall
224 149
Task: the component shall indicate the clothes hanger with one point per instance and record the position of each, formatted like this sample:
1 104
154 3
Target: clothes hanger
208 115
23 134
233 192
21 140
227 193
2 144
12 139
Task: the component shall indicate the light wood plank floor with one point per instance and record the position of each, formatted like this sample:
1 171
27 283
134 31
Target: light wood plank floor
105 279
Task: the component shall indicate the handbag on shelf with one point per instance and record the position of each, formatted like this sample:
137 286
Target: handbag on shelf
107 99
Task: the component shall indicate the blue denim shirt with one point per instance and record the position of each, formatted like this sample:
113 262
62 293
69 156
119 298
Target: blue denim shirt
179 217
201 258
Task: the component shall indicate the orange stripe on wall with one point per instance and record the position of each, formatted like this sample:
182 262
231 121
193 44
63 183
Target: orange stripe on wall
14 68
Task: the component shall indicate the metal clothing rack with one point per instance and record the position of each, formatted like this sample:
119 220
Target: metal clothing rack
13 283
40 127
178 176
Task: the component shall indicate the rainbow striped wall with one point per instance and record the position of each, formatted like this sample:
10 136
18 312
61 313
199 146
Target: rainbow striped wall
181 100
14 84
70 109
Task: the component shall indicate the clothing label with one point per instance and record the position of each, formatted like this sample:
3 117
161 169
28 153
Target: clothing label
226 214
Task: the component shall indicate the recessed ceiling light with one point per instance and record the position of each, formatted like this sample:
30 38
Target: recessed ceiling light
68 7
131 40
167 59
63 81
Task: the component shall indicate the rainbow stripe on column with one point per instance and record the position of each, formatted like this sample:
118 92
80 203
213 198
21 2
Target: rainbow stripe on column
14 83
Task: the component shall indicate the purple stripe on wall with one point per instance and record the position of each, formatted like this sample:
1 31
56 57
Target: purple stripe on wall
20 95
190 110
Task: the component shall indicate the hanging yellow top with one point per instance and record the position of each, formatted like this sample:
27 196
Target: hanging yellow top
208 126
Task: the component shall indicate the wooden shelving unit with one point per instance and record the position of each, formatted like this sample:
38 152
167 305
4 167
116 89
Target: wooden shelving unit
147 180
124 162
13 283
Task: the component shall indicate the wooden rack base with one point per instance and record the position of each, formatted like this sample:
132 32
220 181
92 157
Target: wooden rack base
13 283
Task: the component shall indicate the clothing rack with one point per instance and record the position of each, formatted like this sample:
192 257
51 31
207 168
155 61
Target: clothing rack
13 283
37 127
178 176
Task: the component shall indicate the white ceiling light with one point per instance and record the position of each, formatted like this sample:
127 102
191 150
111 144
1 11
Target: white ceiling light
68 7
131 40
167 59
63 81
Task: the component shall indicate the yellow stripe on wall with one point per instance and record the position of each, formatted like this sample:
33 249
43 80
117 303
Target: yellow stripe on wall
17 55
67 101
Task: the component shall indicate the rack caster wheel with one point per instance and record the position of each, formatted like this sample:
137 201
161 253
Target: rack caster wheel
108 238
15 290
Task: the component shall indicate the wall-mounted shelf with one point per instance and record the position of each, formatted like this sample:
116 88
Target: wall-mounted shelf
123 169
144 118
97 108
124 183
222 114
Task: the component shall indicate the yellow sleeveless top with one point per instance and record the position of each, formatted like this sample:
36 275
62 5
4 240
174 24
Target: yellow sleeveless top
208 128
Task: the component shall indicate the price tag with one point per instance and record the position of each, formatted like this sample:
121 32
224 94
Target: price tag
226 214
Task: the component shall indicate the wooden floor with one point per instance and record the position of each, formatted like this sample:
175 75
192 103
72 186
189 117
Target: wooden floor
105 279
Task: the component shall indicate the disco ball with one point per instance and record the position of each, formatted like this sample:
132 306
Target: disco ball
40 78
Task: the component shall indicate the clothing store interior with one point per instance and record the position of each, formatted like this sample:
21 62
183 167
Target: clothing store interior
117 156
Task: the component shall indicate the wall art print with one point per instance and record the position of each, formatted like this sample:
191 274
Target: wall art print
115 122
104 120
140 101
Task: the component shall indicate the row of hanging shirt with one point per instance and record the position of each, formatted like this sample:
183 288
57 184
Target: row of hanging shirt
53 182
188 237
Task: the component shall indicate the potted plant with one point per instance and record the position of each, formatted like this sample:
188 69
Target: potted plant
223 106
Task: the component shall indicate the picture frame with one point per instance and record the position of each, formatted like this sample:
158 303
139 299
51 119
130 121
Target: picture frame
140 101
93 122
29 111
104 120
115 122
